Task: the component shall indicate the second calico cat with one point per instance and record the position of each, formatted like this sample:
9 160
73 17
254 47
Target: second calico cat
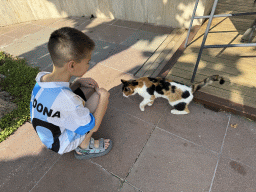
178 95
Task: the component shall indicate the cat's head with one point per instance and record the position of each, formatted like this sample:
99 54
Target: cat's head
128 87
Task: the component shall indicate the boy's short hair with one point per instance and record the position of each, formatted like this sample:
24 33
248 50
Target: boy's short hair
66 44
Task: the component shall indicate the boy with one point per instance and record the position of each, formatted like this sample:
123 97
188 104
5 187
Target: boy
62 119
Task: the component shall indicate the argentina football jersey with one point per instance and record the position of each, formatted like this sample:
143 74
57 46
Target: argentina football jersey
58 115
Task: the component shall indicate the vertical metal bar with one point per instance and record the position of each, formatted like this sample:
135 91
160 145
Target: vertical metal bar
191 22
204 39
250 37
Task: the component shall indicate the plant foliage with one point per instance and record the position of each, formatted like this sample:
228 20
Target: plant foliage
19 82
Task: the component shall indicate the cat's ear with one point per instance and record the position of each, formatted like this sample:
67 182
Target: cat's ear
123 81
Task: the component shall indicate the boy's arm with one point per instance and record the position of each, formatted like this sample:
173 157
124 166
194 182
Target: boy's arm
74 85
101 108
84 82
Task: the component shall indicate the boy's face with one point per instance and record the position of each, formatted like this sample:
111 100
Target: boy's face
82 67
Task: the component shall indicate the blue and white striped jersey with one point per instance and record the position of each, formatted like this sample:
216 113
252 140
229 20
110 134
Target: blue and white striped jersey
58 115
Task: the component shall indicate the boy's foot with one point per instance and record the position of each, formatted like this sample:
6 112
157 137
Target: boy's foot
96 148
96 144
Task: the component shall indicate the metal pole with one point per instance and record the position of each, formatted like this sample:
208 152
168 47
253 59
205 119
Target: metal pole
225 15
248 33
204 39
231 45
191 22
250 37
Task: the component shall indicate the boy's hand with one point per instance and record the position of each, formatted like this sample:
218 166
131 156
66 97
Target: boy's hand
84 82
88 82
75 85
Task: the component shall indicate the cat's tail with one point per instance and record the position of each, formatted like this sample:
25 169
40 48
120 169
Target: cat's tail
207 81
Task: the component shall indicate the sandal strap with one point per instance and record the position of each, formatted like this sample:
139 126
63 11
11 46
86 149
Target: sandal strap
83 151
101 144
91 148
91 143
97 150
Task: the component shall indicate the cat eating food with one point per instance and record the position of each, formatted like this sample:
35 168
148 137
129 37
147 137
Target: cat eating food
178 95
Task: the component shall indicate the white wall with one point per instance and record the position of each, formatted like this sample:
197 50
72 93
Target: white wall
174 13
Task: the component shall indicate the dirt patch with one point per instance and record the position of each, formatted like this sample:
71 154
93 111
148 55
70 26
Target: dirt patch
6 104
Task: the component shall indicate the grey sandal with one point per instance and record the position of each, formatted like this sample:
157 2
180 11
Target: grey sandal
91 151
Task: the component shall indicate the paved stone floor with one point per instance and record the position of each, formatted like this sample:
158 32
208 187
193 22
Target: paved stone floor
153 150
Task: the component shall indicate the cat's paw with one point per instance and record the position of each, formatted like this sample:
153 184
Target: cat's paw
176 112
150 104
142 108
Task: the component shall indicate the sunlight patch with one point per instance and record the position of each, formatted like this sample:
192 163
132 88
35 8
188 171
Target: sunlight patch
185 17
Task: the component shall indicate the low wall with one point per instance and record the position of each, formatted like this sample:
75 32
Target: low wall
174 13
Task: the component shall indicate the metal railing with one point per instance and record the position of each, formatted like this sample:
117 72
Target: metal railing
211 16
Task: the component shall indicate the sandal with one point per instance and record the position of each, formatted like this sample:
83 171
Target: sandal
91 151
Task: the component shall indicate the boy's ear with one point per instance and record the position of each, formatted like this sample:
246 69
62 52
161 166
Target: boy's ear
71 65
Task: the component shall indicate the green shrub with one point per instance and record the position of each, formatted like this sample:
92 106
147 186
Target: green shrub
19 82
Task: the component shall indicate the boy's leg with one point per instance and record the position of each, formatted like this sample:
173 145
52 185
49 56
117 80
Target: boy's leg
87 91
92 104
86 141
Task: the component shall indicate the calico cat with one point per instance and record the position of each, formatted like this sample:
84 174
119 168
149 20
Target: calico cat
178 95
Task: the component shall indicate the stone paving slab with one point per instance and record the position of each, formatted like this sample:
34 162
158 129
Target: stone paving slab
96 24
24 160
115 34
39 38
24 30
68 22
234 176
144 40
102 51
131 104
156 28
5 40
169 163
18 48
43 62
128 188
126 59
70 174
50 68
128 24
45 22
107 77
33 56
90 27
240 141
201 126
9 28
129 135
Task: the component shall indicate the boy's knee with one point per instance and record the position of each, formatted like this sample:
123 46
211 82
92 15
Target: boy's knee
103 93
94 130
106 94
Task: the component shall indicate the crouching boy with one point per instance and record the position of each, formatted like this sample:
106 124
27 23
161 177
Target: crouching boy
65 116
